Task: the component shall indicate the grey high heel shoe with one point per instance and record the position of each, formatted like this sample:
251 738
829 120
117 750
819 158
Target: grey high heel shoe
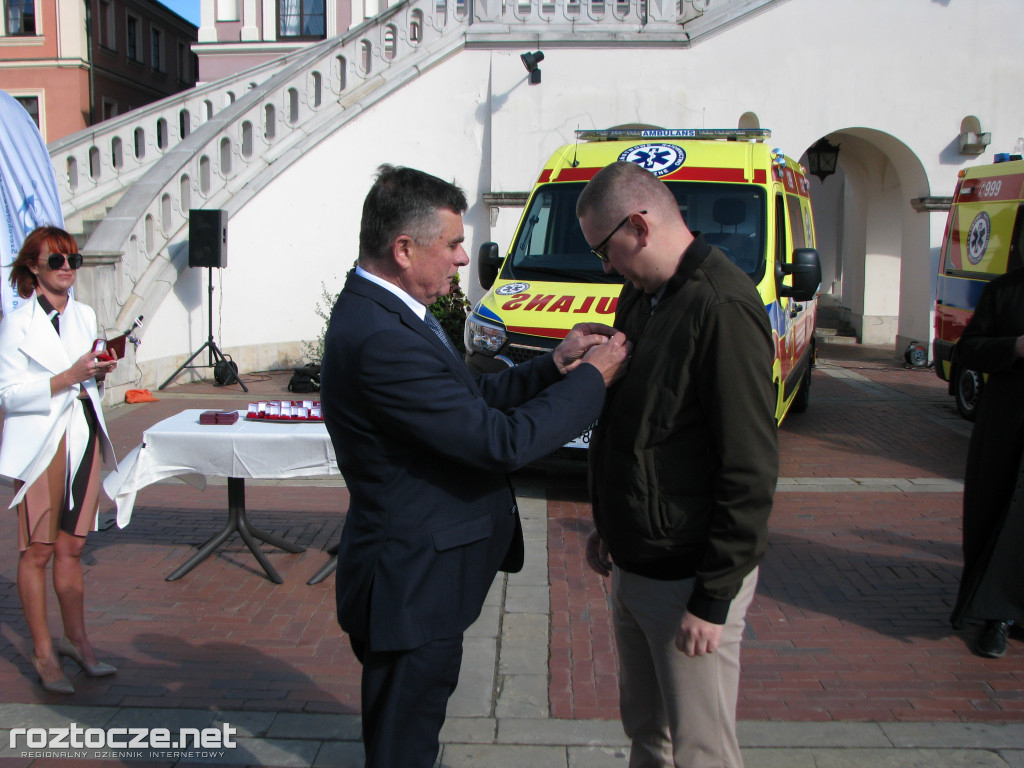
57 686
66 648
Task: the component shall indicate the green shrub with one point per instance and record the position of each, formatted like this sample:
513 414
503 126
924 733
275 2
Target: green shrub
451 311
315 349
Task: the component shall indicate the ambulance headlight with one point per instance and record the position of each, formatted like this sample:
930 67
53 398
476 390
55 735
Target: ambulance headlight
484 338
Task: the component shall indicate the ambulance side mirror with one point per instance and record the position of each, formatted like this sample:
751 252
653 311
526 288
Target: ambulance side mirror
488 262
805 267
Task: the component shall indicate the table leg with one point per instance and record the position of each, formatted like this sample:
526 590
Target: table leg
328 568
276 541
207 548
238 522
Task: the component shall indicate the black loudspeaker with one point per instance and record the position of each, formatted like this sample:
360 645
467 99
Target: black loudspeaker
207 238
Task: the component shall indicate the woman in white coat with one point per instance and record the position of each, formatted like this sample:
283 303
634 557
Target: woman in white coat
54 441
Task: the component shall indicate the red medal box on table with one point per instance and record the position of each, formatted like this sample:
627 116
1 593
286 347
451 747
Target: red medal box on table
218 417
285 410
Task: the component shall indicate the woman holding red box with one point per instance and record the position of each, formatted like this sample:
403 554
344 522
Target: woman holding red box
54 441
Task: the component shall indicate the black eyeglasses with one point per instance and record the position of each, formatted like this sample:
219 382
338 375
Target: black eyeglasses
56 260
598 250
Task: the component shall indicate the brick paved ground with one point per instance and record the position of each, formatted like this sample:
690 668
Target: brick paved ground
849 623
223 635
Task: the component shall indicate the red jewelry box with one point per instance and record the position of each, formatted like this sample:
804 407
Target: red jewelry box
218 417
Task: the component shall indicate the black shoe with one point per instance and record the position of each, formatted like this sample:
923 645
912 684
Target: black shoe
991 640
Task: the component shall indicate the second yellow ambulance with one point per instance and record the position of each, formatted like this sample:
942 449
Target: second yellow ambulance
984 238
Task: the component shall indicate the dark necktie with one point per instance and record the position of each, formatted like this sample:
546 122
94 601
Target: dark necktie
435 326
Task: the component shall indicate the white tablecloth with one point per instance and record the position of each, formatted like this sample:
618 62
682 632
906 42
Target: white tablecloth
182 447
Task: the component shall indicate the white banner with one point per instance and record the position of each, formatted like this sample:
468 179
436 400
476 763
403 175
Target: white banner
28 188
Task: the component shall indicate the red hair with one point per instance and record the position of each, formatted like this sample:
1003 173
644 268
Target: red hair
58 241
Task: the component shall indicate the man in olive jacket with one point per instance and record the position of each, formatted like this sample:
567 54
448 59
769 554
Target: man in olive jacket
683 464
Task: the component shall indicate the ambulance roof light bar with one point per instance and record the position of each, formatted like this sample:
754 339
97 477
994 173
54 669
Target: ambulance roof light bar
616 134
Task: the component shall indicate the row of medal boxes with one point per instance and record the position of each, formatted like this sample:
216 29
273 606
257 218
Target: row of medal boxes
285 410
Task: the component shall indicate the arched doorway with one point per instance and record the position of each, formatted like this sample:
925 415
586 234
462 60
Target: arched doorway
876 258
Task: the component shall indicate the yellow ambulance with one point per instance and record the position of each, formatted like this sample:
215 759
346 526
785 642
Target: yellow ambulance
750 201
984 238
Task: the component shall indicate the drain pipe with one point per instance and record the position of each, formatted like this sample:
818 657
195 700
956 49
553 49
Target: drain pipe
91 62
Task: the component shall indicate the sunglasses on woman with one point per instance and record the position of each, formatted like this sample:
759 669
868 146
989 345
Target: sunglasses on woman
56 260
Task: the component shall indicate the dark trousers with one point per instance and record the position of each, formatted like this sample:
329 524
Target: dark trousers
405 695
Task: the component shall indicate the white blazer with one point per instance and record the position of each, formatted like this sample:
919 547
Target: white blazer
31 353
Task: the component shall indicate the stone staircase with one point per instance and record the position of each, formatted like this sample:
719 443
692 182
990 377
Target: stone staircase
832 326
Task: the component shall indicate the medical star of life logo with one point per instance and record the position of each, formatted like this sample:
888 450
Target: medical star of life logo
511 288
659 159
977 237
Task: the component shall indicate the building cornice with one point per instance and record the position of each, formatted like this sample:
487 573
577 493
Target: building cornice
932 204
49 63
22 41
277 48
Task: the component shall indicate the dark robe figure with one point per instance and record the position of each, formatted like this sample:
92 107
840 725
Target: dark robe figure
992 583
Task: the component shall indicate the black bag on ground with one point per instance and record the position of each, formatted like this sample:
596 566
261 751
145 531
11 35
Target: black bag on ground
305 379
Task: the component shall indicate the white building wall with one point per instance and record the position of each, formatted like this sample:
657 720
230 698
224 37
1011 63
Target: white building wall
887 76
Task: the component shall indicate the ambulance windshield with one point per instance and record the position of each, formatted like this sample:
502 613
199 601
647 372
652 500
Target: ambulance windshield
551 246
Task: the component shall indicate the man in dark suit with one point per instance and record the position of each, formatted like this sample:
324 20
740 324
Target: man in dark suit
425 447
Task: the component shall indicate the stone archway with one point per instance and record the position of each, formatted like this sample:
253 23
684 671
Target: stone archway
874 246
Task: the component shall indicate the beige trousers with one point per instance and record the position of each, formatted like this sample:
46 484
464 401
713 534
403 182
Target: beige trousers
678 711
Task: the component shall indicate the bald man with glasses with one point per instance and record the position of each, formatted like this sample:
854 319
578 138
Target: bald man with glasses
683 466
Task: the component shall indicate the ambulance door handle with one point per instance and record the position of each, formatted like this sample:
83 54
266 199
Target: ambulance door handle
796 309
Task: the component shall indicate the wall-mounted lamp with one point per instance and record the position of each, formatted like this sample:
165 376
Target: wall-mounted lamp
531 62
972 143
822 158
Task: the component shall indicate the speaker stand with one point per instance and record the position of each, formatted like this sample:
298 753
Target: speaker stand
215 355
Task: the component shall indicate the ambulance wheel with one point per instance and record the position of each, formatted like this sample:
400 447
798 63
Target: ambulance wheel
803 395
967 386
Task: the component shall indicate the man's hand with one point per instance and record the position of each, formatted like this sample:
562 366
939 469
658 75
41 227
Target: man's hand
582 337
598 557
1018 347
697 637
610 358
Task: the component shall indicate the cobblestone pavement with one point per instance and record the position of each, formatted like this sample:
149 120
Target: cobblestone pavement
848 660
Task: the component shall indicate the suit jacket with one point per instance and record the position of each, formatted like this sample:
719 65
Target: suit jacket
425 447
31 353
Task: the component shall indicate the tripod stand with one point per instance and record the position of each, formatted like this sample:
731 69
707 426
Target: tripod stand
216 357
